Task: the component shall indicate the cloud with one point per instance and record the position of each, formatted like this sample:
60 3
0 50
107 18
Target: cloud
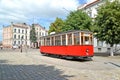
39 11
22 10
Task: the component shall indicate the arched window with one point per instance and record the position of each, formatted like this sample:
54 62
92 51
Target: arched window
15 36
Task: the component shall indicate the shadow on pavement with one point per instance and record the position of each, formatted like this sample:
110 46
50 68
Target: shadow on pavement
30 72
70 58
3 61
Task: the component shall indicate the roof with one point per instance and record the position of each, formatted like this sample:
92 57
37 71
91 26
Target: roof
38 25
71 31
88 4
21 25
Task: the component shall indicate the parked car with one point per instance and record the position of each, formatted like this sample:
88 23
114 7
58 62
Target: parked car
15 47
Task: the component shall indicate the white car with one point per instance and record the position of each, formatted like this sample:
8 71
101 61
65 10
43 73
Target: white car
15 47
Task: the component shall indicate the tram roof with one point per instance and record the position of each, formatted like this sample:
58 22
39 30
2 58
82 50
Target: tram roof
71 31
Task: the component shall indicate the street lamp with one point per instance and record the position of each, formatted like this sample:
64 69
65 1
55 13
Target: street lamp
21 45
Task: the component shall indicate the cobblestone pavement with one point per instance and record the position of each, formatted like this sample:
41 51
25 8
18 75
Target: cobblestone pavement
31 65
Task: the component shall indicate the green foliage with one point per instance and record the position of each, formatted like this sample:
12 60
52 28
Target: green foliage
56 26
77 20
33 37
108 22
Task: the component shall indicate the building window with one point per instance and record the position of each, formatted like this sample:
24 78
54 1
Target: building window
18 36
14 42
26 38
26 31
23 37
15 30
18 30
99 43
22 31
18 42
99 49
108 49
42 34
15 36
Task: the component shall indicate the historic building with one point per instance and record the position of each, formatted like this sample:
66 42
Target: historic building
91 8
16 35
40 31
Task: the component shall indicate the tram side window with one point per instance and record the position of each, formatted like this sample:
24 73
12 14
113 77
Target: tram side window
48 42
63 40
52 41
57 40
76 39
69 39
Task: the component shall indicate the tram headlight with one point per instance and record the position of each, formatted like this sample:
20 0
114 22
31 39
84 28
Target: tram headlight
87 50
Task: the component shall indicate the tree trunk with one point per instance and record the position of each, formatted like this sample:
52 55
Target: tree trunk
111 52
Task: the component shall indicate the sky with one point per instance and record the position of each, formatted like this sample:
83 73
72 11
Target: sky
42 12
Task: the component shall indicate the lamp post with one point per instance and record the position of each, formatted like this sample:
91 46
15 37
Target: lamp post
21 45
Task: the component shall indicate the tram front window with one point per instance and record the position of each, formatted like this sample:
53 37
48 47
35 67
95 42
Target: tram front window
87 40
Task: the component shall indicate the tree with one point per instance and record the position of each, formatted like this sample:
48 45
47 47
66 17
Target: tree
77 20
33 37
108 23
56 26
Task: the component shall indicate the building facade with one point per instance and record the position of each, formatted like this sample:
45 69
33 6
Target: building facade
91 10
16 35
40 31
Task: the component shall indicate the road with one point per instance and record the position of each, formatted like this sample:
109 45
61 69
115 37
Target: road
31 65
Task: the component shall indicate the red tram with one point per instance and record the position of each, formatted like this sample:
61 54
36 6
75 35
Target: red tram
68 44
